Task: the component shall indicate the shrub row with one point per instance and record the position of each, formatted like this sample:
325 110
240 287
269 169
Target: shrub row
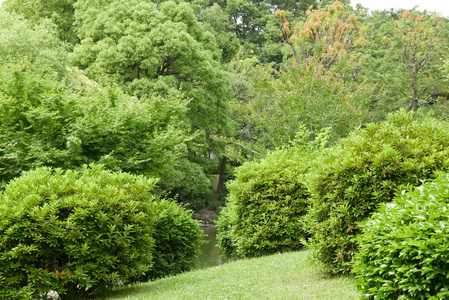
275 203
350 180
81 232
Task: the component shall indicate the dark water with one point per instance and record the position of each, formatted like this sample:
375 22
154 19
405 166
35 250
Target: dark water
210 255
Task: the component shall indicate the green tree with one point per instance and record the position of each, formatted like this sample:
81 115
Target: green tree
420 43
37 43
54 116
328 36
47 122
248 21
317 89
157 49
60 12
299 96
404 54
215 20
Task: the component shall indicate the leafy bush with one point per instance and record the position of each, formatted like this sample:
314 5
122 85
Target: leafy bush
74 232
224 238
351 179
404 248
177 240
266 204
46 122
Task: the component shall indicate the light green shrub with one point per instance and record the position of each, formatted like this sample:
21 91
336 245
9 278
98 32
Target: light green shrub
266 204
404 247
350 180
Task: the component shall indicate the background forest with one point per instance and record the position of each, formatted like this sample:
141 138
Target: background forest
183 90
252 91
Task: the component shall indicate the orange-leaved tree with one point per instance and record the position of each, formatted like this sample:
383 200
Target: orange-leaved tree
325 37
419 44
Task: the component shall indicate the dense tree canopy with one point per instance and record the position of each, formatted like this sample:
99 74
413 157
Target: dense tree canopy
156 49
59 118
60 12
404 54
165 85
37 43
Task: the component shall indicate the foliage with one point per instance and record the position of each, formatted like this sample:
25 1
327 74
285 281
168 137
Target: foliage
404 53
156 49
141 136
37 43
47 122
404 246
216 21
421 44
318 89
224 227
284 101
326 37
329 35
59 12
190 183
349 180
74 232
267 201
34 116
177 239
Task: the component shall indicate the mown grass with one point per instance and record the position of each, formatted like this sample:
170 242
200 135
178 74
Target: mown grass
280 276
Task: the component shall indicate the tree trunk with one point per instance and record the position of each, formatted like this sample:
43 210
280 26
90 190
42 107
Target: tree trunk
221 178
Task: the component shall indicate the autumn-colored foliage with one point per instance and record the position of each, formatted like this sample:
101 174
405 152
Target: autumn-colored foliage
326 35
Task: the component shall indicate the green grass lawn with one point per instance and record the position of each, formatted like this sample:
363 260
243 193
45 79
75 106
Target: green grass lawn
280 276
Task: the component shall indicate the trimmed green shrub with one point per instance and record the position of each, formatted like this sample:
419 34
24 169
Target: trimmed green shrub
404 248
177 238
266 204
224 238
74 232
349 180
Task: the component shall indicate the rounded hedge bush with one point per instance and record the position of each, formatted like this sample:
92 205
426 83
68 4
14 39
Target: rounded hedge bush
266 204
74 232
349 181
404 247
177 238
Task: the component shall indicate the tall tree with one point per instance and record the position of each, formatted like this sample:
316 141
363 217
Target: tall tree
326 36
419 44
61 12
315 91
37 43
404 54
156 49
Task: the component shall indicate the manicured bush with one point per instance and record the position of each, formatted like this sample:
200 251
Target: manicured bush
74 232
177 238
404 247
224 238
267 201
349 180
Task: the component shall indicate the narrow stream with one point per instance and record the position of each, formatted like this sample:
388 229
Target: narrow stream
211 255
